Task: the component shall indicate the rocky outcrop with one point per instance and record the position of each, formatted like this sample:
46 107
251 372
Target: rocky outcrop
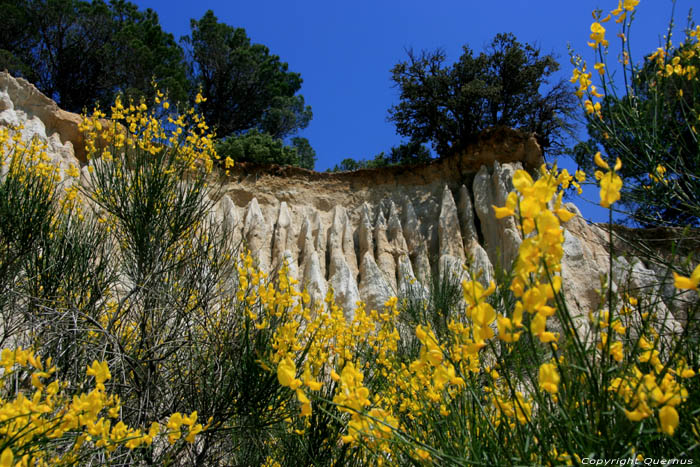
449 234
367 234
384 250
415 241
501 237
477 258
282 242
256 235
22 105
374 289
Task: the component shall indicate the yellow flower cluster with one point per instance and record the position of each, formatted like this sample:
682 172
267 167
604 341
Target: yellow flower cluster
598 34
623 7
353 397
659 390
584 80
581 76
659 176
549 378
516 408
432 372
177 421
51 427
29 159
314 349
688 283
24 158
610 181
643 394
328 342
681 64
135 126
539 258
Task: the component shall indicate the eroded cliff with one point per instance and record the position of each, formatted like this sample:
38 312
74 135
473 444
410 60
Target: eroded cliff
369 234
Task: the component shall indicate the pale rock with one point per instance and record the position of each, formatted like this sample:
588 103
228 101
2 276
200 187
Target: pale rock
501 237
9 118
283 239
31 106
432 241
314 282
483 202
364 231
385 206
306 239
451 245
466 217
311 239
641 278
227 214
571 207
510 241
407 281
393 212
340 242
451 267
664 276
5 101
592 238
288 260
344 286
335 239
578 273
634 278
479 264
621 270
319 232
256 235
384 250
85 176
395 233
415 242
374 289
404 270
21 113
502 181
223 211
349 245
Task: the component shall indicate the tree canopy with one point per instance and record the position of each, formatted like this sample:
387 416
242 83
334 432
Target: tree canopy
305 153
505 85
263 148
81 53
247 87
404 154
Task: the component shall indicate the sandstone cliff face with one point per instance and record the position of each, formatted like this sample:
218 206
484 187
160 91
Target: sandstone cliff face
368 234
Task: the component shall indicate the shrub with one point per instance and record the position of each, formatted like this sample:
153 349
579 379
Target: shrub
649 122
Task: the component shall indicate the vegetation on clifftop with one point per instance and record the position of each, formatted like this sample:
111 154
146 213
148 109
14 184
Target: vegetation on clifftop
82 53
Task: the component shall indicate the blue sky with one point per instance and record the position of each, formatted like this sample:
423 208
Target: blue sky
344 50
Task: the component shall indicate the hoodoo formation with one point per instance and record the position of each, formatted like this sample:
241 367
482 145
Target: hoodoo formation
372 233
